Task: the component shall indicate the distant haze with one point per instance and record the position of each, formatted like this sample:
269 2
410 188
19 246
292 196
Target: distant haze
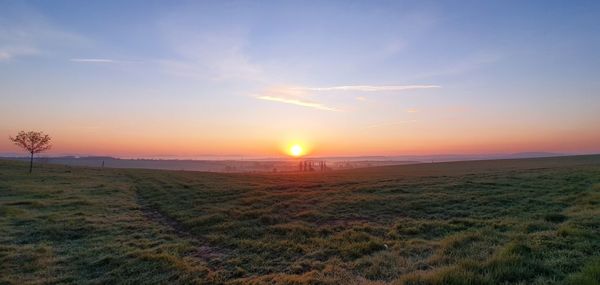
257 164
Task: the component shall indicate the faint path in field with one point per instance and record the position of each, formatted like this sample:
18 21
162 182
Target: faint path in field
204 251
345 222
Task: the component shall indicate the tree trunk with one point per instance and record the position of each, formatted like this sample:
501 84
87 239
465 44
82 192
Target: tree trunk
31 163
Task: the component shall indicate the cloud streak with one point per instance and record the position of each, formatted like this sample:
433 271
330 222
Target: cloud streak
4 55
93 60
370 88
466 65
215 54
293 96
8 53
25 33
297 95
298 102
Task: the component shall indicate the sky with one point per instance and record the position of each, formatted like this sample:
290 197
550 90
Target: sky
252 78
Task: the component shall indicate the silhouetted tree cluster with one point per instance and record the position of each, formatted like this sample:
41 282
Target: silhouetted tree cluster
305 166
33 142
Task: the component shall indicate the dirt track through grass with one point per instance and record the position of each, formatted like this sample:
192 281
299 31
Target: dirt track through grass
203 251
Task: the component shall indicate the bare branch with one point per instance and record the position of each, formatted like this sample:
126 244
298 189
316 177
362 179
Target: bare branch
33 142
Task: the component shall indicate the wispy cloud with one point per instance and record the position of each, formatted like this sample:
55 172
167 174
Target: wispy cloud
370 88
10 52
299 95
294 96
93 60
298 102
412 110
214 68
465 65
7 53
25 32
216 54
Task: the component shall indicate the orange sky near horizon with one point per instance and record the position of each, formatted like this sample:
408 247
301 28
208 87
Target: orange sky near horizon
343 144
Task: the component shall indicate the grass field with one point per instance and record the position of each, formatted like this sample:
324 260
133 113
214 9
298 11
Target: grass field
533 221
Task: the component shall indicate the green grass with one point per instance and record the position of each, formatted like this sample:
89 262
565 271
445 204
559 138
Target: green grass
534 221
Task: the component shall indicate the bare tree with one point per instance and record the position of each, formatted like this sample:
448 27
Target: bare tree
33 142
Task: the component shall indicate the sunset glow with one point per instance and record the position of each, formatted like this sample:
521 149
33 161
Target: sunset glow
296 150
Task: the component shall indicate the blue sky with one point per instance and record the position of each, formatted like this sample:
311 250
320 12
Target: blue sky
342 77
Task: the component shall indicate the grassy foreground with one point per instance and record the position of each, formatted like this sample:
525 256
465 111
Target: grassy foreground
534 221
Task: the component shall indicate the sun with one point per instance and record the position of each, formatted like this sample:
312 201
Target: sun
296 150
